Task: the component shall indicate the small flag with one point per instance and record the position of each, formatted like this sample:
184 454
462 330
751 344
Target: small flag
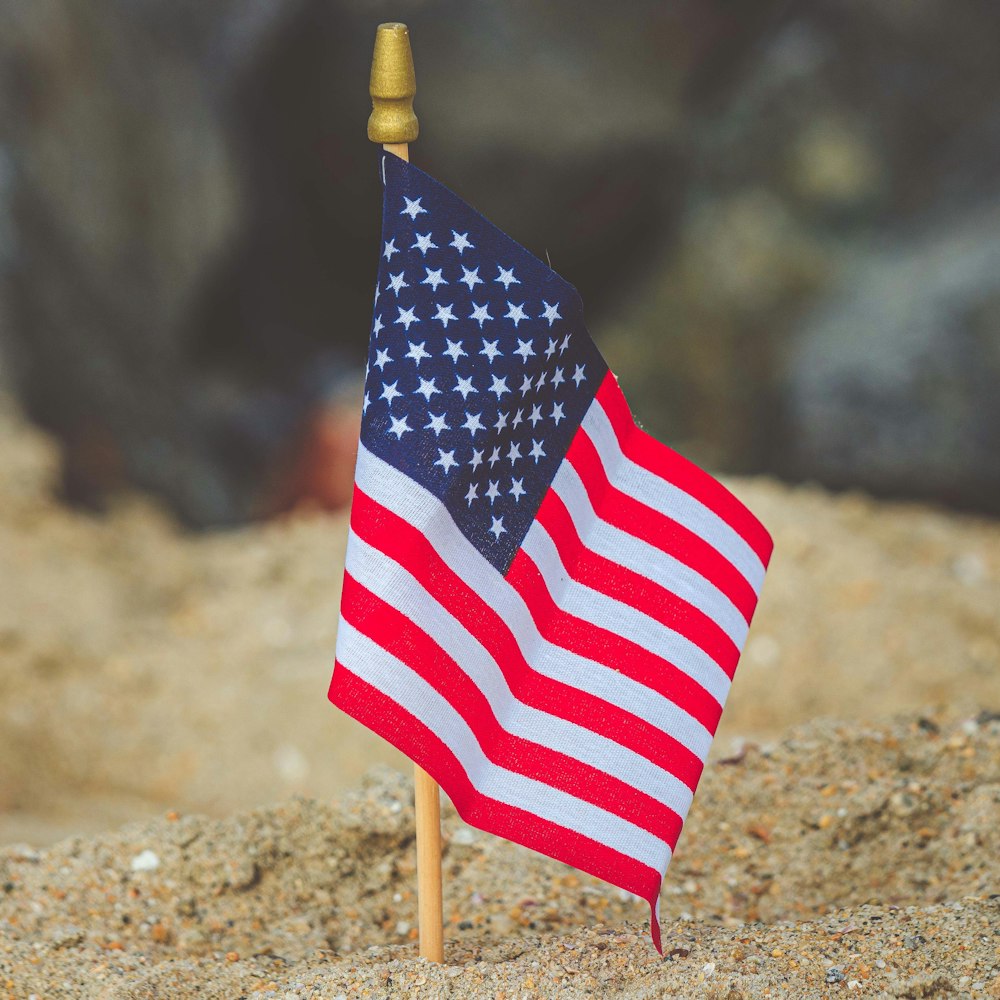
543 606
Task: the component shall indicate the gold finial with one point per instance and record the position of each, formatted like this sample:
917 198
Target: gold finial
392 87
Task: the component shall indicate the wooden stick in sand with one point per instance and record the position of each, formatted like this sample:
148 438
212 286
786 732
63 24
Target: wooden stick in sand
394 125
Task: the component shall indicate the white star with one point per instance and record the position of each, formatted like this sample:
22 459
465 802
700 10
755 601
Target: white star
525 385
494 457
399 427
564 344
518 418
524 349
473 493
427 388
541 380
433 279
515 452
536 414
557 378
496 528
480 313
378 326
516 313
454 351
499 386
493 491
406 317
536 451
416 352
365 403
445 315
551 313
424 243
550 350
473 423
464 386
557 413
471 278
517 488
446 459
382 359
390 392
578 376
437 425
377 293
390 249
461 242
396 283
506 278
413 208
501 420
477 459
490 350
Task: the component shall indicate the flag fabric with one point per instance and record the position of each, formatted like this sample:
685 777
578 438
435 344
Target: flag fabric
543 606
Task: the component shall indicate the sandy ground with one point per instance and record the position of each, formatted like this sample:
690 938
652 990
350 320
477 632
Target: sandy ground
142 669
845 858
148 675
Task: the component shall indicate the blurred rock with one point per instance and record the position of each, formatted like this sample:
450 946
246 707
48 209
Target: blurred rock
894 381
827 305
188 216
120 188
193 212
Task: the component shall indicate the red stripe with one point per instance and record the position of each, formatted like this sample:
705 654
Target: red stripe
399 636
600 644
633 517
656 457
407 733
405 545
625 585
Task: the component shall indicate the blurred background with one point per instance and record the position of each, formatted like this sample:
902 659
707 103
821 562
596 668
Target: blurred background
784 220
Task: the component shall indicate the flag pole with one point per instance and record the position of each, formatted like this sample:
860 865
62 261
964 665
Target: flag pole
394 125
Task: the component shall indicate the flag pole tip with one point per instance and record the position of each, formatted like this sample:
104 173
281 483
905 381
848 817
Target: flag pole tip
392 87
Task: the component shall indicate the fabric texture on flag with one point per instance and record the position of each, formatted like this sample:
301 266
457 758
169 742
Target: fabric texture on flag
543 606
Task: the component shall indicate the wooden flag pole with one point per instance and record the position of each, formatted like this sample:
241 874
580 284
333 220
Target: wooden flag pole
394 125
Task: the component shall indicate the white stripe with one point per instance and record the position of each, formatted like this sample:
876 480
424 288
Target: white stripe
670 500
396 680
408 500
647 560
397 587
621 619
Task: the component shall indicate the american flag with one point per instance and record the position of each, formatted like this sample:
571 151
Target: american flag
543 606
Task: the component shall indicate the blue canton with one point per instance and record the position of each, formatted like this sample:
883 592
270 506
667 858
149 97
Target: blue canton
480 368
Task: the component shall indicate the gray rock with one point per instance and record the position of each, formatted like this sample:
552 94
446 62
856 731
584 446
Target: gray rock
893 384
747 196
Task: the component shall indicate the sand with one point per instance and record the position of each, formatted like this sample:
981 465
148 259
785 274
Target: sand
147 676
843 859
144 669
